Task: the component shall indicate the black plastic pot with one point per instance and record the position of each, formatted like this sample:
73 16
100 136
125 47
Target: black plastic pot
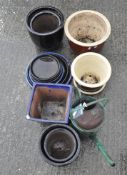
60 145
45 26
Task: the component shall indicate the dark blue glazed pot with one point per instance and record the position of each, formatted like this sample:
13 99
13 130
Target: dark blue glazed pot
45 26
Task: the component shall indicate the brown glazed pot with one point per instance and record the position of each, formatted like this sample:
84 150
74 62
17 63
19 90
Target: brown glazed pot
86 31
77 49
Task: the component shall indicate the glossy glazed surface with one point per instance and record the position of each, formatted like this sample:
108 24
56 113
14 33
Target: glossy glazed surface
49 35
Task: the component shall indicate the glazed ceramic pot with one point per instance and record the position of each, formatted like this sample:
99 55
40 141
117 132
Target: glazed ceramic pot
91 71
60 145
45 26
87 31
50 103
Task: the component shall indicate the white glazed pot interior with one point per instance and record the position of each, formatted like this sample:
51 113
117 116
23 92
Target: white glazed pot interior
91 70
87 28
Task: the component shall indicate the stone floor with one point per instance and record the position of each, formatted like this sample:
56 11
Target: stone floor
19 152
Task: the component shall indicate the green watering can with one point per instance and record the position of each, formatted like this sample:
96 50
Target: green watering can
87 117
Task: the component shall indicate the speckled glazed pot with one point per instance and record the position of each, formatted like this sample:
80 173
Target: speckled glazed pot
86 31
91 71
45 26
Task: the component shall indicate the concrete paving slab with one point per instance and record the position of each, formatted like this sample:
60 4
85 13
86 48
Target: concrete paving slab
19 139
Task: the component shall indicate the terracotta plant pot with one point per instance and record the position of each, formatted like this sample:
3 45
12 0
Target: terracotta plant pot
60 145
86 31
91 72
50 103
45 26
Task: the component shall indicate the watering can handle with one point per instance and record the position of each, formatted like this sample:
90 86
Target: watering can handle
103 102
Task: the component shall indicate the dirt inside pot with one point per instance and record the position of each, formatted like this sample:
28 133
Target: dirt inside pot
87 27
85 39
90 78
60 143
53 109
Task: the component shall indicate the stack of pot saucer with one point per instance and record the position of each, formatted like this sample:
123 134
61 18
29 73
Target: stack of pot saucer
49 67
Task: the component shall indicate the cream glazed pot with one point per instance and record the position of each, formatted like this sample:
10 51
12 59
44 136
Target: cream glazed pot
87 31
91 71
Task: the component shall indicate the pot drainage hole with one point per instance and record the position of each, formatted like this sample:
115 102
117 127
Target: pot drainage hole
90 78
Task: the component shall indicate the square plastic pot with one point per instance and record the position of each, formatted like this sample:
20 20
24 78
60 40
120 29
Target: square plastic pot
91 71
50 103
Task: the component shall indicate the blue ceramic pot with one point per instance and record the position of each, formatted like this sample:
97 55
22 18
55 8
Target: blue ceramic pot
45 26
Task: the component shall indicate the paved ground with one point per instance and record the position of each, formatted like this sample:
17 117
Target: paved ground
19 153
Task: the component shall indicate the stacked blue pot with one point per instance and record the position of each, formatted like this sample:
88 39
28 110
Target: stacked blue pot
49 67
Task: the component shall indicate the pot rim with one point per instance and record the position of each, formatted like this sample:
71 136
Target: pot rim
57 13
94 44
41 13
82 56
